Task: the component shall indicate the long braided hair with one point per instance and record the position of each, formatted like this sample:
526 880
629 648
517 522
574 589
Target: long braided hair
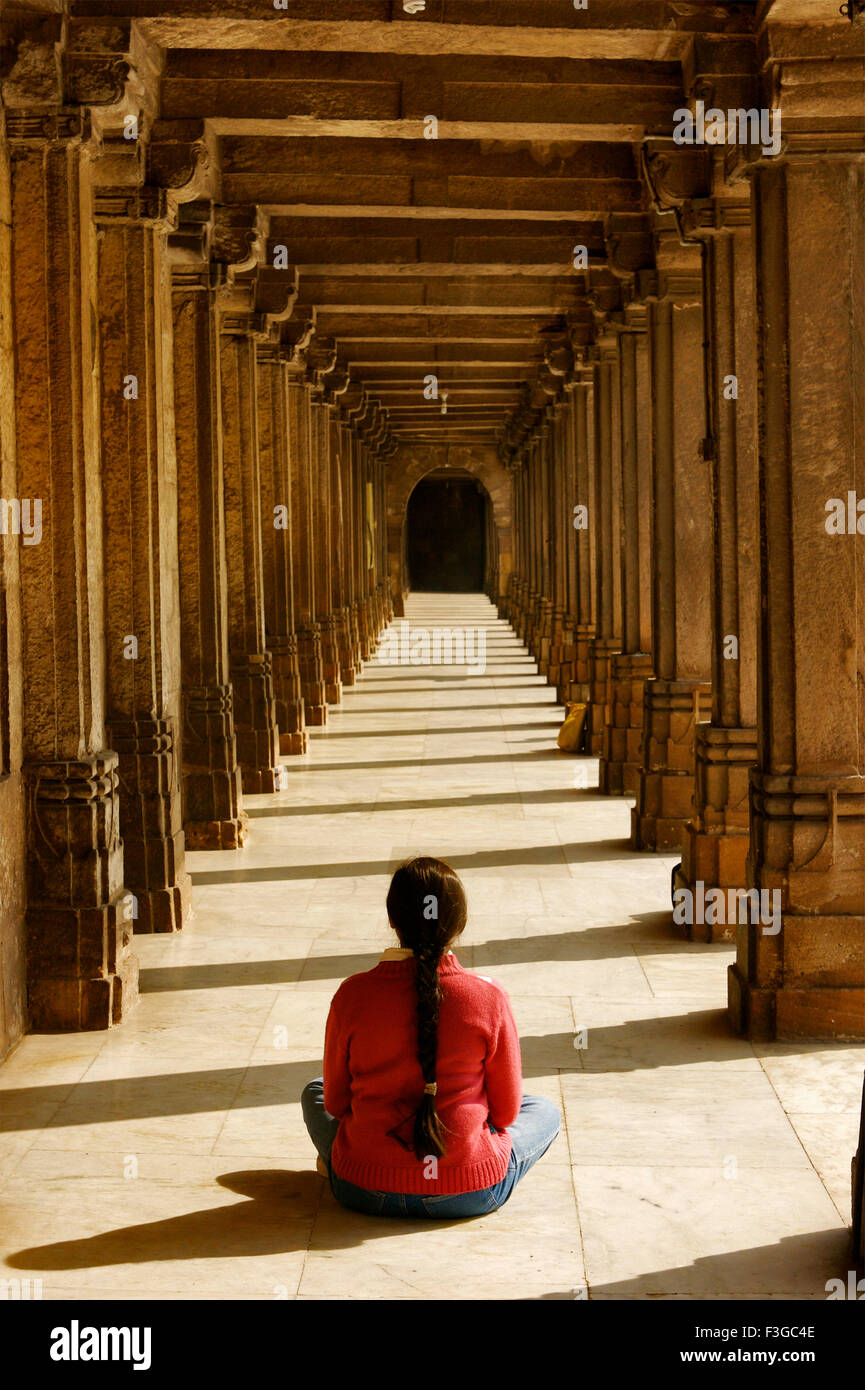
426 904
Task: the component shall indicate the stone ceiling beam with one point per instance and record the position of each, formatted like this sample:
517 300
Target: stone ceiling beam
393 178
642 29
406 242
386 95
379 295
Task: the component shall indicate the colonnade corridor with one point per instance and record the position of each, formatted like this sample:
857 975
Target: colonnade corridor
168 1159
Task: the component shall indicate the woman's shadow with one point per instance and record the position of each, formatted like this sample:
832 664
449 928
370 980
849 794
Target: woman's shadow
278 1218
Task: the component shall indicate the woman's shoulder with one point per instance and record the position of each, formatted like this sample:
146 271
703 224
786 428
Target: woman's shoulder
483 987
366 982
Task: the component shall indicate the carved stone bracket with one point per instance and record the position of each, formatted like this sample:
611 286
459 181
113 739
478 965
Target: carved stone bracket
296 336
182 157
675 173
240 237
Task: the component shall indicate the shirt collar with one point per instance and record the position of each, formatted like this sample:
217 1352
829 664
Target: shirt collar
398 953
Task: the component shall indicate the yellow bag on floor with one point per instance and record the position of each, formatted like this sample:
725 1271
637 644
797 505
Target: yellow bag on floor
571 732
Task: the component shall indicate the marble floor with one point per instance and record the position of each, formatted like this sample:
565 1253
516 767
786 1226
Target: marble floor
168 1159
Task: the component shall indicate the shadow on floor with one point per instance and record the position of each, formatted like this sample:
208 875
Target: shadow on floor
354 691
146 1097
421 762
238 974
743 1274
548 724
551 796
591 943
642 1044
591 852
277 1219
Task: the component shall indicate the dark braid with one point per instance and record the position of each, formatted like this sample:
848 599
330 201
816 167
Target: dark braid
428 1136
427 908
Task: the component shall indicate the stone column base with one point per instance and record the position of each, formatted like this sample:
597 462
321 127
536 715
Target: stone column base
599 713
671 711
527 617
363 629
81 972
287 693
352 613
544 635
347 656
311 674
716 840
563 654
579 688
330 658
621 758
538 618
255 722
770 1014
150 814
554 660
213 815
807 859
515 604
387 605
505 605
70 1004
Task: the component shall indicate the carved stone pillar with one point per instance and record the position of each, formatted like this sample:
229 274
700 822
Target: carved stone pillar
80 967
608 638
341 592
716 840
212 807
534 483
250 662
584 524
303 580
632 667
276 504
544 611
353 533
521 582
808 789
321 357
139 506
678 696
564 654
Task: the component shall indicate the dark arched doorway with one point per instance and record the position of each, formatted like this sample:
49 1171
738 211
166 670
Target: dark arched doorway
447 529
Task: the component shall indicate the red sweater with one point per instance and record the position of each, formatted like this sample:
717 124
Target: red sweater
373 1081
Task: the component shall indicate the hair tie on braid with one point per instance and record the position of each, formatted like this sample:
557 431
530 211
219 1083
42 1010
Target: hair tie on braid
430 1088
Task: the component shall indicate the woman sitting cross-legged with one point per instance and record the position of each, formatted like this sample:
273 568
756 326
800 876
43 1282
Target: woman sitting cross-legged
420 1111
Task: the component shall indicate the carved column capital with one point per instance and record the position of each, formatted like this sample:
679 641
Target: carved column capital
706 217
145 205
44 125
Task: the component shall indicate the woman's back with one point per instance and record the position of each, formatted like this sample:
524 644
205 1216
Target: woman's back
373 1080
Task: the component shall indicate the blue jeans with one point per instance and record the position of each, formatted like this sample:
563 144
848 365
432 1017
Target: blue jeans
532 1133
